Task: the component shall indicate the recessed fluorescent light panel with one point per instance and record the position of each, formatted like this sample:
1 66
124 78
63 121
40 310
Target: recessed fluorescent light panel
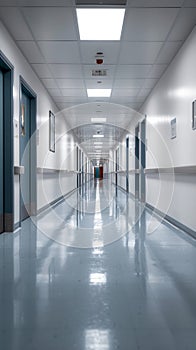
100 23
98 92
98 120
98 135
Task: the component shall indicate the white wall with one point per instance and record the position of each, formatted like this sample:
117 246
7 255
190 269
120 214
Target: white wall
132 163
172 98
63 158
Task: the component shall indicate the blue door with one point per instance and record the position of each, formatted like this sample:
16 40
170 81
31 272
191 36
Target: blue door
25 155
97 175
1 155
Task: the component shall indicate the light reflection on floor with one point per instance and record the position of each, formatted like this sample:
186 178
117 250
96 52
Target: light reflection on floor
137 293
91 221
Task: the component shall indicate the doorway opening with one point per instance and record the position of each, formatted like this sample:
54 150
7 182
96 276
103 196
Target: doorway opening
140 160
28 156
137 162
98 172
127 164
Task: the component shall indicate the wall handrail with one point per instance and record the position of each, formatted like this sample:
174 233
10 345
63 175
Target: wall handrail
60 171
179 170
19 170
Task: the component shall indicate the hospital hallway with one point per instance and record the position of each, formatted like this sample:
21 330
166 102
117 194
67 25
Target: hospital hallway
97 271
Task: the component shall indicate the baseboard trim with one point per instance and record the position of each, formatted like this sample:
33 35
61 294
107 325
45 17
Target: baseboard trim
166 218
17 225
123 190
42 211
172 221
57 201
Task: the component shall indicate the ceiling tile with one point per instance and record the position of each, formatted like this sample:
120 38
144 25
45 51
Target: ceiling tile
68 71
74 92
60 52
37 2
51 23
189 3
110 70
155 3
60 99
157 70
92 83
151 24
89 50
42 70
98 99
139 53
123 99
54 92
49 83
68 99
144 93
70 83
124 92
184 24
149 83
132 71
15 23
168 52
31 51
68 105
128 83
134 105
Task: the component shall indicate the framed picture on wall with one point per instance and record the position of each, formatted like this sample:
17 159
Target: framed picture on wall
194 115
51 131
173 128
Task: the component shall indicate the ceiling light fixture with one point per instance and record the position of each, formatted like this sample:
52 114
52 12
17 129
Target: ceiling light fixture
99 92
98 120
100 23
98 135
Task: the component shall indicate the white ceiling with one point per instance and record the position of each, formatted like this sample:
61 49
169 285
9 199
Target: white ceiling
47 33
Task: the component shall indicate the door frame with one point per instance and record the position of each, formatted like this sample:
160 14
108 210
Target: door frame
140 160
8 144
127 163
26 88
137 161
117 165
143 160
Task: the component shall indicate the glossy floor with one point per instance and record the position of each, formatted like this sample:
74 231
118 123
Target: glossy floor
128 290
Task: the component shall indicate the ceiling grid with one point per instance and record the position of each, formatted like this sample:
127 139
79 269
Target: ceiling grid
46 31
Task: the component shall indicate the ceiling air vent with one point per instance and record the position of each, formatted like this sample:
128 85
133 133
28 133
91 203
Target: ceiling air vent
99 72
